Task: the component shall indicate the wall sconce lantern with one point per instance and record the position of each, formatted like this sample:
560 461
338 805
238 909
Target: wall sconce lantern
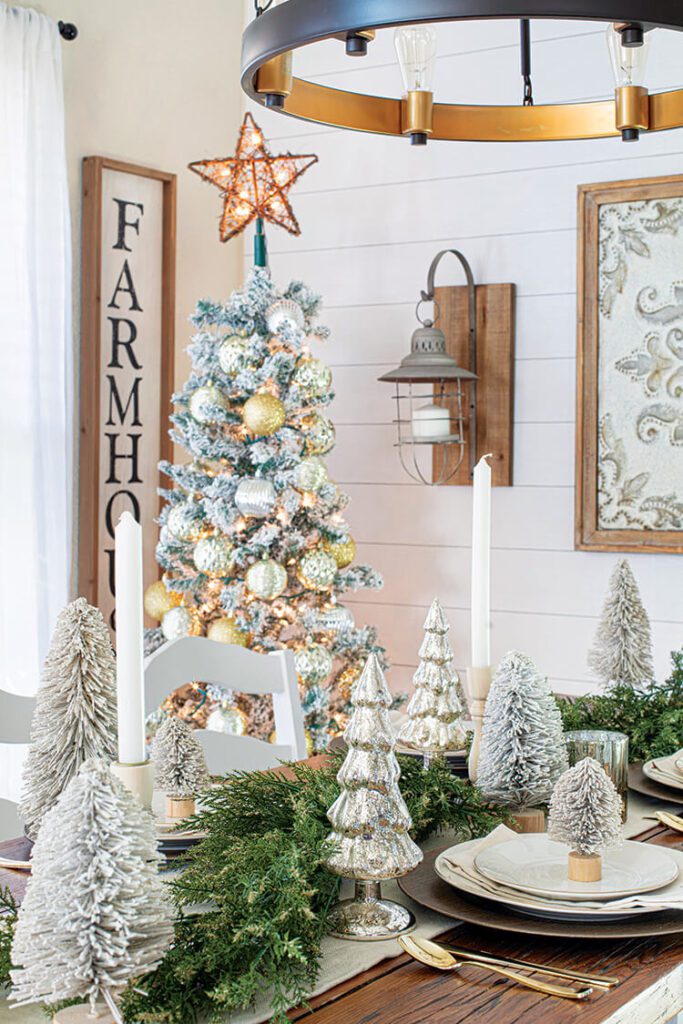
430 391
438 401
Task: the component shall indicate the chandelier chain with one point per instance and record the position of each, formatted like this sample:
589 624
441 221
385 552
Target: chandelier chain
525 61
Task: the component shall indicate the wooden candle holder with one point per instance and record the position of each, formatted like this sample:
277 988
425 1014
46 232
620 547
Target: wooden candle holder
180 807
139 779
530 820
584 867
81 1015
478 686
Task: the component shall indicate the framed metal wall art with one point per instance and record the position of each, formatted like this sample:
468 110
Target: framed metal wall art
629 439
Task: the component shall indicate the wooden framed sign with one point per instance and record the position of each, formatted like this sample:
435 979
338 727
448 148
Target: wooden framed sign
629 429
127 356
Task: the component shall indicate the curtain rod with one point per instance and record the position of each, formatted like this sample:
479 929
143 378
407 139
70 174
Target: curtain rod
67 30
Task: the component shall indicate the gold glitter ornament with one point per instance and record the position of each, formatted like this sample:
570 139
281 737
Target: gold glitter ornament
267 579
226 631
233 355
263 414
213 556
343 551
179 622
229 719
310 474
182 521
319 433
207 404
346 680
313 377
159 600
313 664
317 570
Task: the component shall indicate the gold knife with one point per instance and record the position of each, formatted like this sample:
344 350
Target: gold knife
598 980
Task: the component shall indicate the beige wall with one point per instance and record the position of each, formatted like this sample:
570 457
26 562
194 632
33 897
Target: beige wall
156 83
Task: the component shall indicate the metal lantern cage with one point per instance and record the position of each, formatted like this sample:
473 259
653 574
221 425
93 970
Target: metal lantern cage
435 397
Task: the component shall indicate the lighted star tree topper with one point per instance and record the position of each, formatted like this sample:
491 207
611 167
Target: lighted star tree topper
254 186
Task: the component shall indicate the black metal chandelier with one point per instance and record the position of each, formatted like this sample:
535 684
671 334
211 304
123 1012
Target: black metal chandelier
270 43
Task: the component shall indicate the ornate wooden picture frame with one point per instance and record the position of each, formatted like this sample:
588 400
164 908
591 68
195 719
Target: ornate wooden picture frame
127 361
629 423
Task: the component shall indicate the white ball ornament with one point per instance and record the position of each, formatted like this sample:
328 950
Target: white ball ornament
267 579
319 433
317 570
182 521
255 497
207 404
229 719
336 619
313 664
282 313
213 556
233 355
180 622
310 474
313 377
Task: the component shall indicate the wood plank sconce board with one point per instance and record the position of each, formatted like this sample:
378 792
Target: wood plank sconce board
495 368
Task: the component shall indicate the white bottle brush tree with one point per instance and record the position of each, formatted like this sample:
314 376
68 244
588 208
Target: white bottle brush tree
254 541
179 766
522 748
585 813
96 913
435 709
622 648
370 820
75 713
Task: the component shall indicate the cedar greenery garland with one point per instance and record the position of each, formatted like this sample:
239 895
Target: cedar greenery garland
652 718
261 866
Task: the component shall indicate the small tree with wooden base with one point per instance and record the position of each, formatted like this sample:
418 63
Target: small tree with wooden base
96 913
180 767
622 648
585 813
435 709
522 748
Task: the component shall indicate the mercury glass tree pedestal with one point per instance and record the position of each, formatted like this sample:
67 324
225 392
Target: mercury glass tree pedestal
368 917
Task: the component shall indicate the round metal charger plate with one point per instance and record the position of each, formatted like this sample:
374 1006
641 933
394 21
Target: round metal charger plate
425 887
639 782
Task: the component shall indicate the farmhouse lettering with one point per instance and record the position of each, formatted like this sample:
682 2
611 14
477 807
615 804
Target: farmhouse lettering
127 346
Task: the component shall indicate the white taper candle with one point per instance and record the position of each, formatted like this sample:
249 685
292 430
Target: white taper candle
481 564
129 652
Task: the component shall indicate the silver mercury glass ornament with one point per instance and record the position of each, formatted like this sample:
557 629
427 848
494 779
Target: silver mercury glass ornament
255 497
336 619
370 820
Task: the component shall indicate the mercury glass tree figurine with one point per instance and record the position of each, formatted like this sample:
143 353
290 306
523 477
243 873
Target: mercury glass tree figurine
369 818
435 709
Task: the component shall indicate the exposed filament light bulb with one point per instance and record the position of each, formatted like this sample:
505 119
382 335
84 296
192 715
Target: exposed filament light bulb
416 51
628 67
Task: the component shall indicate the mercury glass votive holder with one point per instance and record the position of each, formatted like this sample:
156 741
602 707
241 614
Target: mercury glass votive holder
610 749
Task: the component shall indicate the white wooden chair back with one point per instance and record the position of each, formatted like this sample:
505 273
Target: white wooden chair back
15 730
195 658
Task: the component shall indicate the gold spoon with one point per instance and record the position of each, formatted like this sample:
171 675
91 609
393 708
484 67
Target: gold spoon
434 956
671 821
597 981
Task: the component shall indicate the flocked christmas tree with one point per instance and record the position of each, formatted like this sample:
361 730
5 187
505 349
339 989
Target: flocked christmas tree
179 767
435 709
622 648
585 814
96 913
522 747
253 533
75 713
370 821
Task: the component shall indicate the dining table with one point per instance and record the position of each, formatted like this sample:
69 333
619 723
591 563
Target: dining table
398 990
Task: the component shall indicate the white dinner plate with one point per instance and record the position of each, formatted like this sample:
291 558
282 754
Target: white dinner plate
660 778
520 903
538 865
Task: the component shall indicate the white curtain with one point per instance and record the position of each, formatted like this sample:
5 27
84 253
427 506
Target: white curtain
36 401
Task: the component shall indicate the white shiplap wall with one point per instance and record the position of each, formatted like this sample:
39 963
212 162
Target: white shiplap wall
373 213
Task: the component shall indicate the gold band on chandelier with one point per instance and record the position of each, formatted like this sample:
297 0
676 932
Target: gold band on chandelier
458 122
